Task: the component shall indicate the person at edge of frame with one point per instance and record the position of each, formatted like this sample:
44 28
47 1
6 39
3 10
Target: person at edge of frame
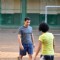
45 43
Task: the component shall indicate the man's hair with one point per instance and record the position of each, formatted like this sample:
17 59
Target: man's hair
27 18
43 27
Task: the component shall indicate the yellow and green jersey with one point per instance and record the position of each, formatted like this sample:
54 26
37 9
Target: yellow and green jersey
47 43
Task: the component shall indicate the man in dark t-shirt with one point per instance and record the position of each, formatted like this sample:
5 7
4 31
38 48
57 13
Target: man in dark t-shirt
25 39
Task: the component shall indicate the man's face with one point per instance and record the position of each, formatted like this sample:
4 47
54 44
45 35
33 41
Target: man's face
27 22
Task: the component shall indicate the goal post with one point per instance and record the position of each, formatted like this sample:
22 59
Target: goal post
46 9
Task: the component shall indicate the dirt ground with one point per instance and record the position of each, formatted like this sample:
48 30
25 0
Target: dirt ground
9 43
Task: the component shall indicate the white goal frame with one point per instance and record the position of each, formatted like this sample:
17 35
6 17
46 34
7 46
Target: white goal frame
46 8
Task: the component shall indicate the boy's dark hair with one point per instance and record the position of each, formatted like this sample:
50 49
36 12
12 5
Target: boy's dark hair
27 18
43 27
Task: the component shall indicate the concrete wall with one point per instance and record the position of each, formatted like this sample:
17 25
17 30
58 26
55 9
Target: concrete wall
33 6
11 6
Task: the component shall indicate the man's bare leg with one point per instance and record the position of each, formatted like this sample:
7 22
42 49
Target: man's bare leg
20 57
30 57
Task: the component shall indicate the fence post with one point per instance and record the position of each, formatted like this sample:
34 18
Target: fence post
24 10
0 13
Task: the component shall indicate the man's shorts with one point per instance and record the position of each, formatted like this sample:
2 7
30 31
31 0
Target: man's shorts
47 57
28 48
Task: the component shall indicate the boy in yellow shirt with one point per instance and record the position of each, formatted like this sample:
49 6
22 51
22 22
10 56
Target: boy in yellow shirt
46 43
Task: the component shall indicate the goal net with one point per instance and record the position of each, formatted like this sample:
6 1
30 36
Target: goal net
52 15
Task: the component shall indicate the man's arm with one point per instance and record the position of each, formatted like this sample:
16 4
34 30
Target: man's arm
32 37
19 41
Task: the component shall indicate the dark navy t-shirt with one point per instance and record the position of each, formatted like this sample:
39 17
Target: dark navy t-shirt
25 33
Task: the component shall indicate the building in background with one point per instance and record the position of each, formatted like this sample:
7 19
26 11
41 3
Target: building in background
11 12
